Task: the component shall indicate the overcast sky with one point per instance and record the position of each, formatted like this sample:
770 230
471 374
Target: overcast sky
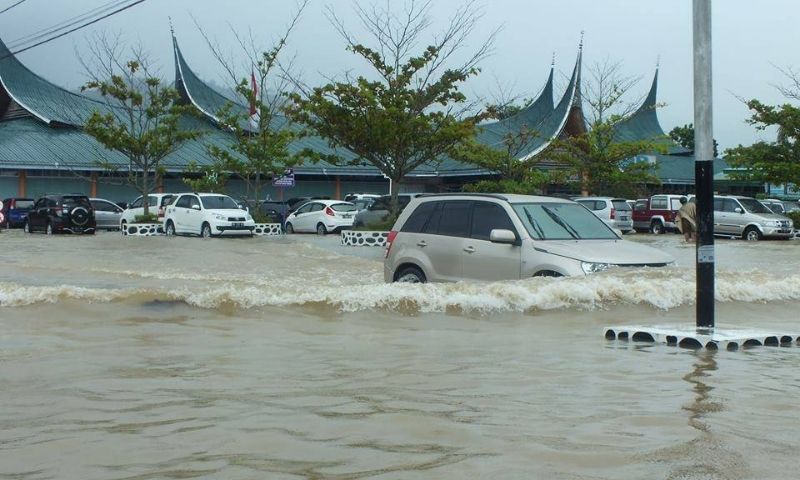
750 38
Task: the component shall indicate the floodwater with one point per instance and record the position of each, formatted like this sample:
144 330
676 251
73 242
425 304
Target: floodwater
166 358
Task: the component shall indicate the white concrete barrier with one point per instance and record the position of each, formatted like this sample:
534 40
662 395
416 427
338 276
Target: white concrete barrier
268 229
143 229
354 238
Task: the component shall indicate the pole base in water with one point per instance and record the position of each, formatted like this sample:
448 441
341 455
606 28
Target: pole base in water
696 338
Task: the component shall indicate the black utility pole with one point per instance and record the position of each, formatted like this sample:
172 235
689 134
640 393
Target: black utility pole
704 163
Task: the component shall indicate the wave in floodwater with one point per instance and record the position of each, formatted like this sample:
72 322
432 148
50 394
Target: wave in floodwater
660 289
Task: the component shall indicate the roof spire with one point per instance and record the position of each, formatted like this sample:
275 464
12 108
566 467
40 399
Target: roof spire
658 61
171 28
580 45
553 61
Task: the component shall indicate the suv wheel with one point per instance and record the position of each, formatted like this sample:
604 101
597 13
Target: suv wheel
49 229
205 231
170 229
123 227
656 227
752 234
321 229
289 228
410 275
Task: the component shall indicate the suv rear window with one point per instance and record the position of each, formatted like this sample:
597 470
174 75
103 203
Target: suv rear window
23 204
621 204
73 200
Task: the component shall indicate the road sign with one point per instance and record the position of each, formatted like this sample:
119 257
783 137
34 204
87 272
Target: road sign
285 181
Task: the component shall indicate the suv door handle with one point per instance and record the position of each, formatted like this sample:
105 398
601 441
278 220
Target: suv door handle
469 249
422 243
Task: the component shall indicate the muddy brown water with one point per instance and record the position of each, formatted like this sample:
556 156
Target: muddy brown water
150 358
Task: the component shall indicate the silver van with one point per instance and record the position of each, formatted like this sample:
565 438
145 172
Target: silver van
452 237
748 218
616 212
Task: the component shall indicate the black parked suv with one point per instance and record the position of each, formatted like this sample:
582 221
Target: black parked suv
61 213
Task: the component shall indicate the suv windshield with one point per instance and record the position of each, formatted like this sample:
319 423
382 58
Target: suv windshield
754 206
562 221
218 202
21 204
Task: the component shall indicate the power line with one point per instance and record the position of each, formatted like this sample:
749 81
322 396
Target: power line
84 25
12 6
18 42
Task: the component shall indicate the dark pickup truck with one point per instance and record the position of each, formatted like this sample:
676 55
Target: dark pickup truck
656 214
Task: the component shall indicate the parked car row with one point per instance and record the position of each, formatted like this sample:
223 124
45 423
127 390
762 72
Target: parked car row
734 215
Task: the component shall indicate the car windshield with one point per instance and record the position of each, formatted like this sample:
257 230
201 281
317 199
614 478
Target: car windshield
218 202
344 207
754 206
562 221
22 204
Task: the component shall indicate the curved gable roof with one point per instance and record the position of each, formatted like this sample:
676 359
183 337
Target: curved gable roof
643 124
41 98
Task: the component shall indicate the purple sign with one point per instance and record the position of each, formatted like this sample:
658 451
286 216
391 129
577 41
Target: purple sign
284 181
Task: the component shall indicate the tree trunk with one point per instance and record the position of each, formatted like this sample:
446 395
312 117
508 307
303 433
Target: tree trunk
394 204
145 191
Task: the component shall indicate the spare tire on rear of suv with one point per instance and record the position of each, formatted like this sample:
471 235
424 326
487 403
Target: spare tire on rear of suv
80 216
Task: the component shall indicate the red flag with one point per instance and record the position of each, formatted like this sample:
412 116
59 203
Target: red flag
254 115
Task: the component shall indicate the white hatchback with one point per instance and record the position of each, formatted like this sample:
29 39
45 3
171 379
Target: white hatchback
158 204
207 215
322 216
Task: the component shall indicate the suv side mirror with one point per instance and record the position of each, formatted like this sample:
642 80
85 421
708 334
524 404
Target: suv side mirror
196 207
502 236
738 210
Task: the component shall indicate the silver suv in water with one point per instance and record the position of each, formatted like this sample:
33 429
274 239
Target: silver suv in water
452 237
748 218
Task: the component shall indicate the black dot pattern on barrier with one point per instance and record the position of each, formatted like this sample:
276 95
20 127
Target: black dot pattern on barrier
364 239
267 229
144 230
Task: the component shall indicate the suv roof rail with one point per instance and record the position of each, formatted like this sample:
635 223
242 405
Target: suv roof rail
486 195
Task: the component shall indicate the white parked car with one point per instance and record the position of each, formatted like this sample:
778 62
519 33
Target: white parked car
616 212
321 216
207 215
158 204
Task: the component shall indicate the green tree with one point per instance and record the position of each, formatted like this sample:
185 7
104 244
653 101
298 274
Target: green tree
597 161
684 136
410 112
262 143
142 121
513 174
773 162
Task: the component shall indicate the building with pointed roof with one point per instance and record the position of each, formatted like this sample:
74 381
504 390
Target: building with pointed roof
43 146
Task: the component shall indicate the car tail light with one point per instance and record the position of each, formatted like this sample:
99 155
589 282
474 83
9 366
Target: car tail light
389 239
613 214
329 212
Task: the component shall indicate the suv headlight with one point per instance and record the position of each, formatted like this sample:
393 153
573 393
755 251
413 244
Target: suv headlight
220 217
589 267
248 217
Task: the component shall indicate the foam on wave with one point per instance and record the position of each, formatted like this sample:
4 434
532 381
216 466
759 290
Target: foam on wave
661 289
